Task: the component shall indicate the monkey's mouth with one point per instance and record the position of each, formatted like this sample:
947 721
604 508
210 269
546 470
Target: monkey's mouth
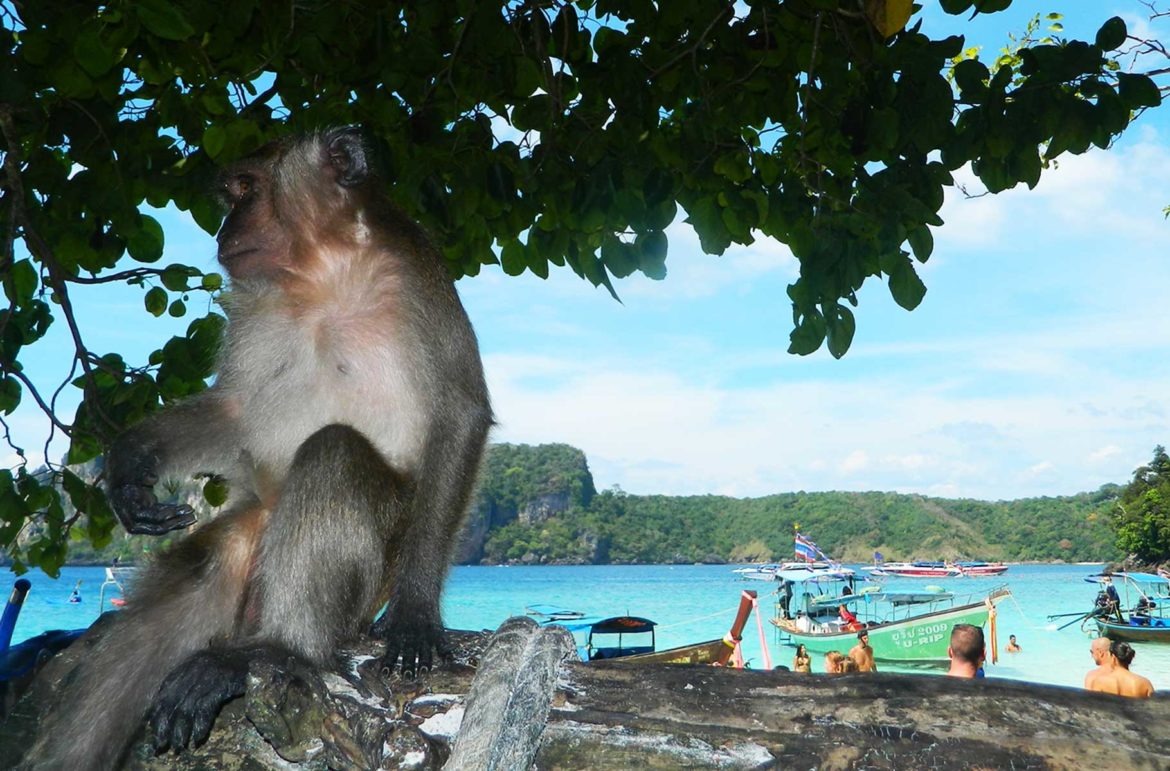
226 257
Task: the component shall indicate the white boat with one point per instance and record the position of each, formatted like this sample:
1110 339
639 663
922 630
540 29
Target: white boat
768 571
917 569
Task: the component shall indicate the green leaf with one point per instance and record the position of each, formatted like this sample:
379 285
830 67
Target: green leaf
146 241
214 139
176 277
808 335
177 309
1112 34
211 282
840 331
156 301
163 18
652 249
10 393
954 7
1137 91
215 491
92 53
619 257
512 258
921 243
21 282
971 75
905 285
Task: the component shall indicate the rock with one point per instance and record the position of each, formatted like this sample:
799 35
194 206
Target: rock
519 698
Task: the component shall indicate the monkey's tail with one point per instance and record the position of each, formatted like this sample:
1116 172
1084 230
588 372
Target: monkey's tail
190 596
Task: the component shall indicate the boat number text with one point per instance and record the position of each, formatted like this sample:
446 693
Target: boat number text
921 635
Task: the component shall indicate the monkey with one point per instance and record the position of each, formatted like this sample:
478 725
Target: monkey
348 415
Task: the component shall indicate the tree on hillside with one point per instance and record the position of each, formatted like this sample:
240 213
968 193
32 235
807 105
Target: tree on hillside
526 132
1142 516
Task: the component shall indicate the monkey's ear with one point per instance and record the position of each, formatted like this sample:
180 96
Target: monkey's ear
348 156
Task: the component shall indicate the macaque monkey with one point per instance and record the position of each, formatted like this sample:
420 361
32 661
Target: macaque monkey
348 416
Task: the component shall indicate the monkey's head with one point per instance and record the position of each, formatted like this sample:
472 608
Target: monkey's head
292 199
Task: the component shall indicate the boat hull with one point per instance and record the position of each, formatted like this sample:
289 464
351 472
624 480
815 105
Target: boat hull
920 640
1133 633
700 653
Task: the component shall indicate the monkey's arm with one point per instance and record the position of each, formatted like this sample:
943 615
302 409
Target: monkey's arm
198 435
412 624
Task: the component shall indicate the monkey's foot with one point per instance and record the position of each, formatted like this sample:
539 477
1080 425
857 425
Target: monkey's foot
190 698
414 645
141 513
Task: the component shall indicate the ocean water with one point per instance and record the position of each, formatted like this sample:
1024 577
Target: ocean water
692 603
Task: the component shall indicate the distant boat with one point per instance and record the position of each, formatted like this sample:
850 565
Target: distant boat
550 613
809 558
917 569
630 639
767 571
903 627
980 568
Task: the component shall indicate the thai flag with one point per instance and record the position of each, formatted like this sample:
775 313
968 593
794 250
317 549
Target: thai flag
806 549
877 557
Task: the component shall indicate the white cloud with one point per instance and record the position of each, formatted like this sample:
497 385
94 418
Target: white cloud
1104 453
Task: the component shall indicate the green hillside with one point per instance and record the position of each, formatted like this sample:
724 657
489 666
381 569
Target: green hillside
620 528
538 505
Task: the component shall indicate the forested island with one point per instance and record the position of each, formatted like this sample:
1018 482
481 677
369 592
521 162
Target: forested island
539 505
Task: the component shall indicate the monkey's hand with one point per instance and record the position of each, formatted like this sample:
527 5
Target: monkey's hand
413 640
190 698
133 476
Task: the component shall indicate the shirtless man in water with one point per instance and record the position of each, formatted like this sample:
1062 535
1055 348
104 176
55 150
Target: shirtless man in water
862 654
1102 678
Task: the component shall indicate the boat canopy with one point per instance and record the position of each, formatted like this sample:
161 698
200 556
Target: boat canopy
623 625
916 598
1149 579
814 576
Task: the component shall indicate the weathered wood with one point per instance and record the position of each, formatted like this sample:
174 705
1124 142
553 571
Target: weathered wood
510 698
610 715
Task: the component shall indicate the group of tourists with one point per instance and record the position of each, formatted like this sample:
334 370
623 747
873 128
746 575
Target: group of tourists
967 651
859 658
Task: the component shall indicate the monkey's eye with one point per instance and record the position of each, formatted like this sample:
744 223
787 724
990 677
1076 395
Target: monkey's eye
238 187
242 185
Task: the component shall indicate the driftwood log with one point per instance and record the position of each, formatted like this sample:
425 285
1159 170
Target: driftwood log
520 699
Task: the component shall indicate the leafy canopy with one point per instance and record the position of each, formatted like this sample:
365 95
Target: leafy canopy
525 132
1142 516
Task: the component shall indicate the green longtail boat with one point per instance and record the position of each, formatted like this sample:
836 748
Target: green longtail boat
903 626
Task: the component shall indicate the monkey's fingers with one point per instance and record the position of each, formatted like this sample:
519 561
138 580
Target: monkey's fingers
161 518
390 657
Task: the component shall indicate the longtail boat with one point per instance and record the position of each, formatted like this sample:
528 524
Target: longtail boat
903 626
630 639
1136 610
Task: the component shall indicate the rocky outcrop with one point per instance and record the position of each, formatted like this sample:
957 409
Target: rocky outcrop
544 506
520 699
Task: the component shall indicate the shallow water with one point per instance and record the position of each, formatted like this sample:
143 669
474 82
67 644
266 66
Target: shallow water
698 602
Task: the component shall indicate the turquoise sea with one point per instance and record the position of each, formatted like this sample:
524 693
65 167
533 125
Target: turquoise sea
697 602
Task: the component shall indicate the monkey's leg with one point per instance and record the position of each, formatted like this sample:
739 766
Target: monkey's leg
188 596
412 624
325 560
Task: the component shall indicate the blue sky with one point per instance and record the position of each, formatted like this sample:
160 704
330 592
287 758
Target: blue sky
1038 363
